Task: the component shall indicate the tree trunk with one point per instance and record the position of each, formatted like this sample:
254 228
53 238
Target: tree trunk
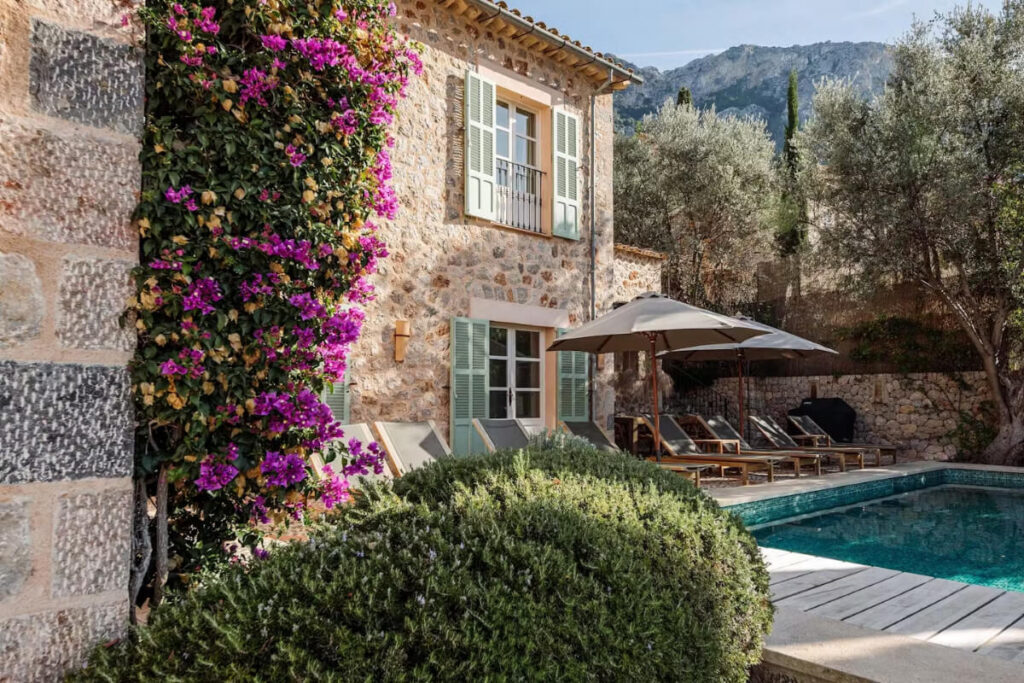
160 579
142 547
1008 446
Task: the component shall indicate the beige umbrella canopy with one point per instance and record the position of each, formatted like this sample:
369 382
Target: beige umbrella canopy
774 344
652 322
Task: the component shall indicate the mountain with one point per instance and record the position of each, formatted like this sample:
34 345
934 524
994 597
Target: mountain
752 80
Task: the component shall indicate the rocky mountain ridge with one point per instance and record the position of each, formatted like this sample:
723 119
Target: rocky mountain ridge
753 79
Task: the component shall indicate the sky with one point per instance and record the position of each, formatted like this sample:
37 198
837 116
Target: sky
669 33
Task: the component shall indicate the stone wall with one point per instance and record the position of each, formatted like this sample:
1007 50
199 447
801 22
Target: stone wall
70 112
440 258
636 271
916 412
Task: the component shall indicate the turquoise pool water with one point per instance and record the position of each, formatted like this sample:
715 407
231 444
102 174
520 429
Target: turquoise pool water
963 533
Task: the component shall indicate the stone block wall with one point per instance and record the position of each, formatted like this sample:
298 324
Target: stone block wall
440 258
916 412
70 114
636 271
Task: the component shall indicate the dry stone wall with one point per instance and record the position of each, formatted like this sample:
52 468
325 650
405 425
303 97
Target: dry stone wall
70 114
440 258
916 412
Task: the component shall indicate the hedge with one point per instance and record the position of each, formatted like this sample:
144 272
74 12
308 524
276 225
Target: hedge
540 565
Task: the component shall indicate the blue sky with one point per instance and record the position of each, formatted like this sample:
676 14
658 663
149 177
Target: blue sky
668 33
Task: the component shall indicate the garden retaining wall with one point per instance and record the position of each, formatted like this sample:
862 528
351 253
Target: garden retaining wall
70 114
916 411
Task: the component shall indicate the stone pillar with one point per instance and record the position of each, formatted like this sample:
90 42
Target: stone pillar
70 116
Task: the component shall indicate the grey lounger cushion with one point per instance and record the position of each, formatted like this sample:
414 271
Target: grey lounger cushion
592 433
773 432
723 430
504 434
412 444
674 437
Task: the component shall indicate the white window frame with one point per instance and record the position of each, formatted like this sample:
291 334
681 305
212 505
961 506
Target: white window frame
532 423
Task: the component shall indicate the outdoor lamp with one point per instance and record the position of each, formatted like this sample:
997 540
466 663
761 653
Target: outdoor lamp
403 330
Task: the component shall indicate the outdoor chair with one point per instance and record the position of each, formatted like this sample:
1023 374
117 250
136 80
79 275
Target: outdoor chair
809 429
592 433
778 438
733 441
682 449
600 440
410 445
499 435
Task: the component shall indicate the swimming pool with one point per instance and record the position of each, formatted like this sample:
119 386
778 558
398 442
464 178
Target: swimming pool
970 534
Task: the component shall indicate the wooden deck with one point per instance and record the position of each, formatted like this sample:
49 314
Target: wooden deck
979 619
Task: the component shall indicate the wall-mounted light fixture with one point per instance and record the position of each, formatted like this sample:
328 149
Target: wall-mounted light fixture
403 330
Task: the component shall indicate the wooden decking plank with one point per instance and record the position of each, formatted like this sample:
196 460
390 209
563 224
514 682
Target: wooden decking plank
929 621
822 571
926 593
833 591
860 601
979 627
1008 645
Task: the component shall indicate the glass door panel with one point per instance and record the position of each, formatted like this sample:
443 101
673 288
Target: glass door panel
516 373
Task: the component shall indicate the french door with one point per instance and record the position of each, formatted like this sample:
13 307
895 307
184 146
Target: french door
515 368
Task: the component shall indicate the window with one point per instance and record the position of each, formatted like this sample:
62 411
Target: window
515 158
515 371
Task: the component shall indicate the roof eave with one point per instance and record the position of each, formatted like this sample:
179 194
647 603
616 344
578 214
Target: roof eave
620 75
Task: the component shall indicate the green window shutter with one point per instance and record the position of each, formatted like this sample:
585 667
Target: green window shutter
480 107
573 380
338 400
469 383
566 219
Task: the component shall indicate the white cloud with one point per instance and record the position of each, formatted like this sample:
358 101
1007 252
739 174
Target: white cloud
882 8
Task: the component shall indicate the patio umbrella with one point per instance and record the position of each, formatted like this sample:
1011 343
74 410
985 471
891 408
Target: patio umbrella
774 344
652 322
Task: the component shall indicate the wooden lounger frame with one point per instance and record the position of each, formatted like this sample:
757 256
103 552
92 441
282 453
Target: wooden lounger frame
391 453
856 454
745 464
829 442
687 470
796 458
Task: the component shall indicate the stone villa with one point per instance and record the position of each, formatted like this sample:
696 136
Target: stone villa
503 164
504 170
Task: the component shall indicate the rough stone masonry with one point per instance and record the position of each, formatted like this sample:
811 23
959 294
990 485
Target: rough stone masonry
70 114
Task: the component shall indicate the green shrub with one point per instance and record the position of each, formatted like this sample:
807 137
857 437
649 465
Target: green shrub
539 565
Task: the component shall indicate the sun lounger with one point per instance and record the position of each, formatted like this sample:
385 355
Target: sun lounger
681 448
600 440
778 438
410 445
812 430
500 435
361 432
591 432
733 441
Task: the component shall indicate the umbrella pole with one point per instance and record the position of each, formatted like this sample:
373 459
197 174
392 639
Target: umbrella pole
654 398
739 389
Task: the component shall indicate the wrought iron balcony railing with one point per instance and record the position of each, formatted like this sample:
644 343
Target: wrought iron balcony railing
518 195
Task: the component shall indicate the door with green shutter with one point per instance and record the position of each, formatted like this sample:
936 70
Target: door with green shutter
565 131
479 146
338 399
573 381
469 385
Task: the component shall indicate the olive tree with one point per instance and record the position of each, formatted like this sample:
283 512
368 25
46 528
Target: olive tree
923 184
699 187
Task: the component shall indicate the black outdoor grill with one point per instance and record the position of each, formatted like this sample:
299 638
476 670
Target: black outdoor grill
834 415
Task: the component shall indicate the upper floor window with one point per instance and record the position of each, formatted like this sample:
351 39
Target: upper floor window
522 162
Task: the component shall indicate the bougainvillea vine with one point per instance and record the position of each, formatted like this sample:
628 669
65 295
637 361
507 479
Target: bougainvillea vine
265 162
